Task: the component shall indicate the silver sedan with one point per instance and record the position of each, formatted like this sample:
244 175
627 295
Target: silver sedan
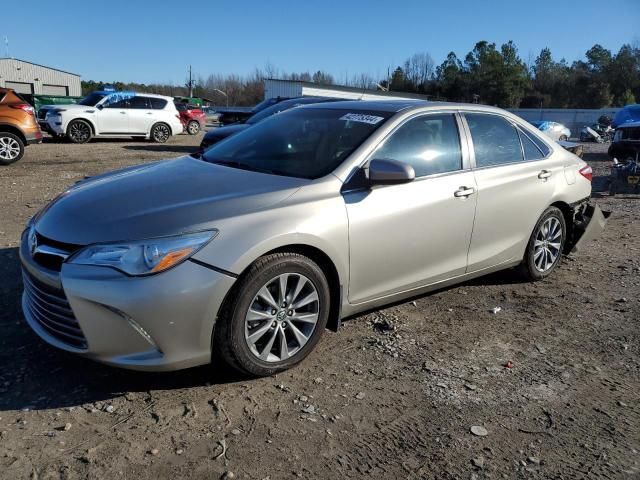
278 233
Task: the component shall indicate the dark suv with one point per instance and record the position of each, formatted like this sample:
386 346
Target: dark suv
18 126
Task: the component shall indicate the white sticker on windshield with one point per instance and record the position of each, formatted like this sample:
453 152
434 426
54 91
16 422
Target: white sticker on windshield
360 117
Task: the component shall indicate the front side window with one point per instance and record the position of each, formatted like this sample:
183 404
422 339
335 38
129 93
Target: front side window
301 142
495 140
429 143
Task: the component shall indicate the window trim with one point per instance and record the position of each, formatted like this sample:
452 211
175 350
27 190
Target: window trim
464 153
515 125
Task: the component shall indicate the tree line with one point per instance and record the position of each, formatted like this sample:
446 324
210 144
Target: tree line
488 74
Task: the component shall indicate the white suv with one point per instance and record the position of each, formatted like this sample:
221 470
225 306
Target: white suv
113 114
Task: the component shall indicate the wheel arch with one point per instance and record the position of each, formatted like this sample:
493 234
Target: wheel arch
327 266
568 214
5 127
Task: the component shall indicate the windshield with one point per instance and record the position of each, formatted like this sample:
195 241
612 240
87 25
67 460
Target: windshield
302 142
92 99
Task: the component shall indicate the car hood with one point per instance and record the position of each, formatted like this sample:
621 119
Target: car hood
158 199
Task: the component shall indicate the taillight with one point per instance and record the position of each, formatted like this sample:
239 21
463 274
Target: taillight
23 106
586 172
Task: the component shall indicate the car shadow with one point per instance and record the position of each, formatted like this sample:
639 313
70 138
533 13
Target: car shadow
37 376
154 147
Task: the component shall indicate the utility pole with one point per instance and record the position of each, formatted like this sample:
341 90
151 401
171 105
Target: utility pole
190 83
6 45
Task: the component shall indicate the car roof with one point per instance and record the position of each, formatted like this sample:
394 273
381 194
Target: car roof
395 106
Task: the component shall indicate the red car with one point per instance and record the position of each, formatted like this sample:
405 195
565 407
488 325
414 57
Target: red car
193 119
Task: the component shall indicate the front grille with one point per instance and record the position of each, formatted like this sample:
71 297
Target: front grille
47 259
49 307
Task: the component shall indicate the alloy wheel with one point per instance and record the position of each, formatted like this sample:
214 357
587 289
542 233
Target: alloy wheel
79 132
546 248
193 128
282 317
9 148
161 133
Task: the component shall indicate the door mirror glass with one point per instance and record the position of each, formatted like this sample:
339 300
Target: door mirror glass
390 172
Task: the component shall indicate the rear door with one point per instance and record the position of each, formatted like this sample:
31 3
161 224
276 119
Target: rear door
141 115
515 176
113 118
406 236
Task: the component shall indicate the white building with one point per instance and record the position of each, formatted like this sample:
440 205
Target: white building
293 88
30 78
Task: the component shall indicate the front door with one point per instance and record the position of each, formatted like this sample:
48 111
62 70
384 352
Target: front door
113 118
405 236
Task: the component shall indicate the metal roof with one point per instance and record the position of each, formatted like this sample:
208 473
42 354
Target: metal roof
340 88
38 65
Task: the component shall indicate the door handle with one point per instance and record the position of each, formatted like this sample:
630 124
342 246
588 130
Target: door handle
544 174
149 113
463 192
123 113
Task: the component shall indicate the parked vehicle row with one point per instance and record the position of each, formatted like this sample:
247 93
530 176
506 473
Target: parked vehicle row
250 251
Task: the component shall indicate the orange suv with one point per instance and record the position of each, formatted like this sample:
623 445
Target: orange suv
18 126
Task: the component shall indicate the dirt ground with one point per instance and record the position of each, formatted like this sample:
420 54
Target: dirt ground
393 395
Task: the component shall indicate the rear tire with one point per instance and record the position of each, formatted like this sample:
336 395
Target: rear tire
545 246
79 131
262 331
11 148
160 133
193 127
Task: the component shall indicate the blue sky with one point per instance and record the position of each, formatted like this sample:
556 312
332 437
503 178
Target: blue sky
145 41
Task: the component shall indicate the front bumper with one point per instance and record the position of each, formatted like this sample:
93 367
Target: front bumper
155 323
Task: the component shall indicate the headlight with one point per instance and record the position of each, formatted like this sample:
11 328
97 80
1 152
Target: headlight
144 257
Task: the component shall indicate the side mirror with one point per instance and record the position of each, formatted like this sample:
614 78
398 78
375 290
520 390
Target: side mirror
390 172
100 107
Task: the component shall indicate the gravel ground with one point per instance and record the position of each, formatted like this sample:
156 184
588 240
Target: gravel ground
416 390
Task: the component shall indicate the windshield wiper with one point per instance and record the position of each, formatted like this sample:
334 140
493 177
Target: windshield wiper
243 166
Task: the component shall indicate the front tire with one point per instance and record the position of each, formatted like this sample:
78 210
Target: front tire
275 315
193 127
79 131
11 148
160 132
545 246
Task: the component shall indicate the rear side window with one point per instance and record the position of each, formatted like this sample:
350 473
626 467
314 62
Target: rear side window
158 103
139 102
495 140
531 151
429 143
